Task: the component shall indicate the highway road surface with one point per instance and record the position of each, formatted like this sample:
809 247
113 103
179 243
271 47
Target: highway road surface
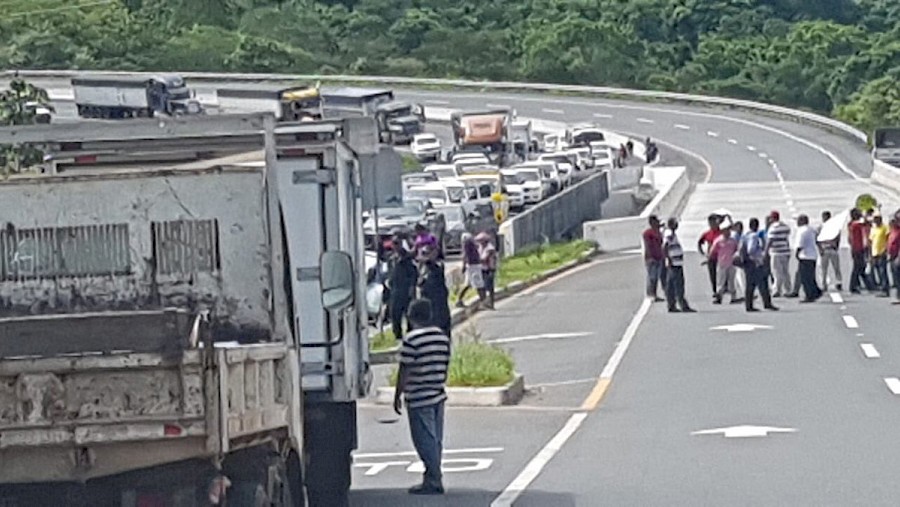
630 405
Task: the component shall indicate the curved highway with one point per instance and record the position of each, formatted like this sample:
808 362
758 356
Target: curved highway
631 405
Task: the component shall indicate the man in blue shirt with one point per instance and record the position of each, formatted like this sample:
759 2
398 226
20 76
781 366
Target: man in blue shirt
753 257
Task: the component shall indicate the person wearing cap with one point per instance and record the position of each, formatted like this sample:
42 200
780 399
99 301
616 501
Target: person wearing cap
878 240
424 237
778 247
723 251
488 256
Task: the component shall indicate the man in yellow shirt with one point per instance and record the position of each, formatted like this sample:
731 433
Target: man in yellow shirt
878 240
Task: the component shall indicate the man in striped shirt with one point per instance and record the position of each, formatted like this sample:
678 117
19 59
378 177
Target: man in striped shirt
674 269
424 358
778 247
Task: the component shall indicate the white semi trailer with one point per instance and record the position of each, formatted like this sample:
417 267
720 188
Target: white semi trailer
115 97
168 332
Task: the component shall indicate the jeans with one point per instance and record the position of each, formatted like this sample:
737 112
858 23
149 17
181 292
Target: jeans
654 276
426 425
831 258
398 313
895 271
757 278
859 273
880 267
675 287
807 272
712 270
781 268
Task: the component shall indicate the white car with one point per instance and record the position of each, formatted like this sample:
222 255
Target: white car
425 146
583 155
442 171
467 165
554 142
434 193
456 157
563 165
602 155
533 184
551 174
585 135
513 186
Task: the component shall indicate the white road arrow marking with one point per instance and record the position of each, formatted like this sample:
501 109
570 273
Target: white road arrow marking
740 328
745 431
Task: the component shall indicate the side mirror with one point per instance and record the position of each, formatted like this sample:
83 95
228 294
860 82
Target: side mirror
336 279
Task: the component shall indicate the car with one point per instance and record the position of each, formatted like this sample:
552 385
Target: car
602 155
469 165
418 178
551 171
584 135
442 171
456 157
458 220
554 142
425 147
583 156
533 185
456 190
563 164
433 192
512 186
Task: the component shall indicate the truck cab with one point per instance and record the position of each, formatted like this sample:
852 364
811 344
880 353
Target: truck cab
168 93
397 121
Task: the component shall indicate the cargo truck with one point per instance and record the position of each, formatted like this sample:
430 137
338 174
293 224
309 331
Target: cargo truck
116 97
187 336
886 145
296 103
485 130
398 121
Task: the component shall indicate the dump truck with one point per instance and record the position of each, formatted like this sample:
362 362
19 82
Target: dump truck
487 130
886 145
398 121
295 103
116 97
192 335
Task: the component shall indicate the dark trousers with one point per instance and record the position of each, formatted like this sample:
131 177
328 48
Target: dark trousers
807 271
895 271
880 267
655 277
757 279
675 288
398 313
858 275
712 269
426 426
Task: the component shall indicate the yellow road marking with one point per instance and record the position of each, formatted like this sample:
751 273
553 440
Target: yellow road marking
593 400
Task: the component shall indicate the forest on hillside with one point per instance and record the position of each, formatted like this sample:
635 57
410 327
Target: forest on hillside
840 57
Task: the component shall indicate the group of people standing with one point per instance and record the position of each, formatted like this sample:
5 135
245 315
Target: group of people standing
742 263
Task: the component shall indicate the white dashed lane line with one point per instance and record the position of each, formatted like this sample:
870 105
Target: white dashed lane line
716 134
682 127
731 141
645 120
751 148
763 155
850 322
498 106
554 111
869 351
601 115
836 297
893 383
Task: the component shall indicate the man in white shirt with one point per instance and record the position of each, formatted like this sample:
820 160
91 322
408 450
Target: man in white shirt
807 255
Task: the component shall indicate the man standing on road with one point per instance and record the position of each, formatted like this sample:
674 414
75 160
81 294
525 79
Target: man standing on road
723 251
675 270
778 248
753 257
654 258
807 255
830 256
424 358
894 254
858 237
878 239
707 239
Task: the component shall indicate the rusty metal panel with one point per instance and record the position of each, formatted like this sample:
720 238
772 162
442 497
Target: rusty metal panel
186 247
54 252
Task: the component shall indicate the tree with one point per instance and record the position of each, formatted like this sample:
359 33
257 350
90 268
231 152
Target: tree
19 106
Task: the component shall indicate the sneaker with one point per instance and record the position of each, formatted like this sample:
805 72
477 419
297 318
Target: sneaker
688 309
737 301
751 309
659 300
776 295
772 308
674 310
839 288
428 489
793 295
717 301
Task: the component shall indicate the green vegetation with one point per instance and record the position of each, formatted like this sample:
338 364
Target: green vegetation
18 106
831 56
410 164
474 363
527 265
382 341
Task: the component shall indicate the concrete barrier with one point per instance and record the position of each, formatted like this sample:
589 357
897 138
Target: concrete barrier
556 218
625 178
673 186
886 175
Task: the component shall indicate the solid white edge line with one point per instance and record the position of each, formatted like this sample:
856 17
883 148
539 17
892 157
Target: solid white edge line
623 345
836 297
545 336
537 464
553 111
850 322
601 115
682 127
645 120
893 383
474 450
499 106
869 351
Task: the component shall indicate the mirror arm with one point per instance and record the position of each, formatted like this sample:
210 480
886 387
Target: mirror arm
328 344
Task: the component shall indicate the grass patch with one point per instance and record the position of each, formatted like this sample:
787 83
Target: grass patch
474 363
410 164
382 341
531 263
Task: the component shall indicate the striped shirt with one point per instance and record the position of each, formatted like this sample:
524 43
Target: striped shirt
673 248
778 239
425 354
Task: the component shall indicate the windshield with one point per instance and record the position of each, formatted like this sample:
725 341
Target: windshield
451 213
511 179
530 176
457 194
408 209
179 93
427 194
426 140
587 137
447 172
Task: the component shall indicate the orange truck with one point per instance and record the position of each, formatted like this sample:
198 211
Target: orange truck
487 131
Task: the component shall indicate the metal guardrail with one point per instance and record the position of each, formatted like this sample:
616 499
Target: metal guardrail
759 107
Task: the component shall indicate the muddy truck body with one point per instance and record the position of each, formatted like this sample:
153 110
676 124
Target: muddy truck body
168 332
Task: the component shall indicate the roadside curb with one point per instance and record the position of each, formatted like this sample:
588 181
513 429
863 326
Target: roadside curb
461 315
509 394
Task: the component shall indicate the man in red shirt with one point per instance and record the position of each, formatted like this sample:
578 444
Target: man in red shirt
894 254
707 239
859 247
654 258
